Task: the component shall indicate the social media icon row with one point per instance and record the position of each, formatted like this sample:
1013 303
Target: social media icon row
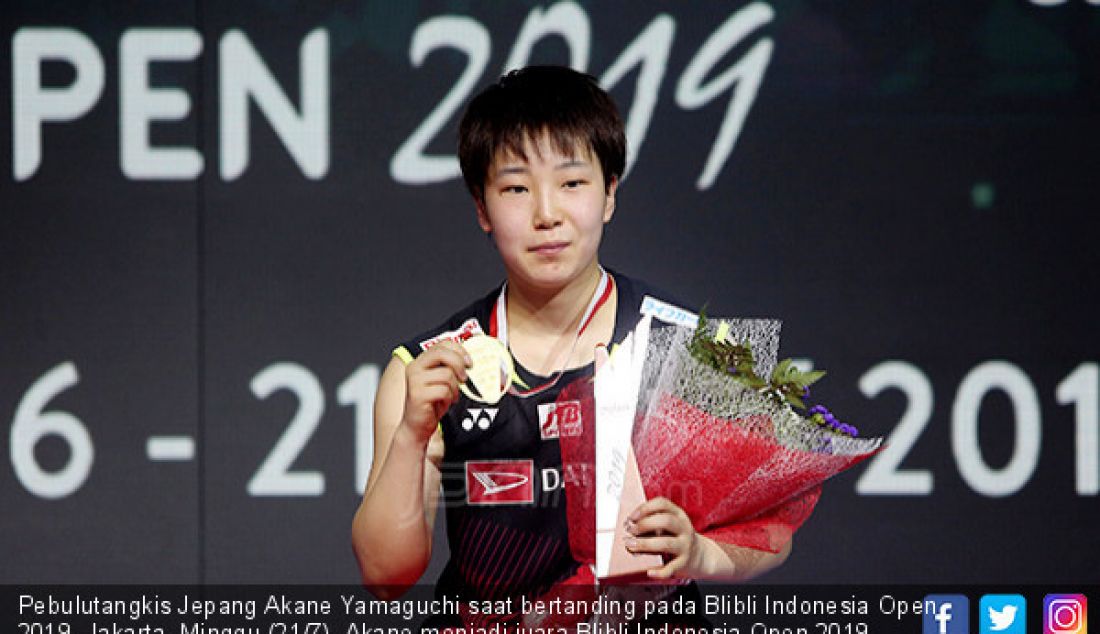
1004 614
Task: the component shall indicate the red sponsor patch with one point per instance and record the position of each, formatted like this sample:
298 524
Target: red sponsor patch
560 419
500 482
468 329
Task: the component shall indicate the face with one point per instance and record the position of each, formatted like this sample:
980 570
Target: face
546 214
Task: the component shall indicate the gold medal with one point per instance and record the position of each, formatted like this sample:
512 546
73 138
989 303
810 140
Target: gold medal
491 371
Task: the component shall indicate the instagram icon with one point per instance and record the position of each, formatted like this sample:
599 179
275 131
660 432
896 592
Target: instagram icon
1065 614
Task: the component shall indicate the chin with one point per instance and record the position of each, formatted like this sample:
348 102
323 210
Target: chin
548 282
548 276
556 279
546 273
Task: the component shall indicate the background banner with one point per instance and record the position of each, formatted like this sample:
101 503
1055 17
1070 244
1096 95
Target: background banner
217 219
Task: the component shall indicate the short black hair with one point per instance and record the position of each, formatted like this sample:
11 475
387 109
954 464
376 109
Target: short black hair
567 106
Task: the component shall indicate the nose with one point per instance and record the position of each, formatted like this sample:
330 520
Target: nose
547 214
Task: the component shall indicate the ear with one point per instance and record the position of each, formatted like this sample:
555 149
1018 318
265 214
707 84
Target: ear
609 202
483 215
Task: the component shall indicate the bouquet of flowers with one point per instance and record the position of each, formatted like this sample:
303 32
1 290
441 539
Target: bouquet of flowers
713 423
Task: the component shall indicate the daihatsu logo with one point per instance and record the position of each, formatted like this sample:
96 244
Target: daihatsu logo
500 482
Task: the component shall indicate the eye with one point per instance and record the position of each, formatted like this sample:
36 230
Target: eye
574 184
513 189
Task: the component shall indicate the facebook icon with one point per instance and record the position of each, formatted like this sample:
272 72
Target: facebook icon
946 614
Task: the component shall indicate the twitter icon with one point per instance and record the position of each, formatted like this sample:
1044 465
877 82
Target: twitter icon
1002 613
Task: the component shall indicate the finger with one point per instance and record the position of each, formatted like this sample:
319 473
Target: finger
649 507
455 360
442 393
658 523
443 375
428 375
439 393
666 571
451 356
663 545
456 348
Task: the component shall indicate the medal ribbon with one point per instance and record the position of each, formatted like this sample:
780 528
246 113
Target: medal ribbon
498 327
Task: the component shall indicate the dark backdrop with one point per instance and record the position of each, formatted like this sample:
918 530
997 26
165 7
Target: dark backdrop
910 186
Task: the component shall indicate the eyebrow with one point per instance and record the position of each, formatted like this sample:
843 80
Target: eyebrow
515 169
571 163
523 169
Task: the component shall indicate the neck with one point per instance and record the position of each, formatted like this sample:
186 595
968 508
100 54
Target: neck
551 312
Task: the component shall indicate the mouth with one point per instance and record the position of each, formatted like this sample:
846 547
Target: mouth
549 248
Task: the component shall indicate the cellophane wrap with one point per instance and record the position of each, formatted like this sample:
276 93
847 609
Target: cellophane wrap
745 468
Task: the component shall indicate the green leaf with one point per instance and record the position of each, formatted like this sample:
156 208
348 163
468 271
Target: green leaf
809 378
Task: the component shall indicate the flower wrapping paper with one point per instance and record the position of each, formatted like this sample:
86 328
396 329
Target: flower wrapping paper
746 470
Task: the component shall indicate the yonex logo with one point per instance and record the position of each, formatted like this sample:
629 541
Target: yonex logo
482 417
500 482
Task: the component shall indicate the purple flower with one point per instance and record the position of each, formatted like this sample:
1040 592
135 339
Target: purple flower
822 416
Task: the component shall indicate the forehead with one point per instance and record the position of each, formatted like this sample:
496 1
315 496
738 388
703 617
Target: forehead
544 148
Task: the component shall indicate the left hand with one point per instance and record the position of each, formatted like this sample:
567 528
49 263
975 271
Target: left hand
661 527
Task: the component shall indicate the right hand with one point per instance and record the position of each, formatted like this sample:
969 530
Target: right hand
431 385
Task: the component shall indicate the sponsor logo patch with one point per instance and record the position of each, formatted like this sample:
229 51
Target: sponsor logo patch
560 419
668 313
500 482
480 417
468 329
